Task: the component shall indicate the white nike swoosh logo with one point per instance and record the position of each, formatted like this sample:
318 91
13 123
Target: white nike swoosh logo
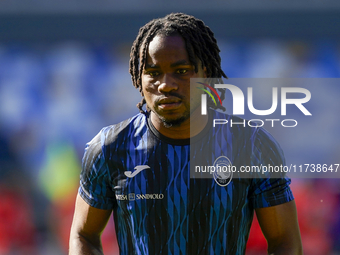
138 170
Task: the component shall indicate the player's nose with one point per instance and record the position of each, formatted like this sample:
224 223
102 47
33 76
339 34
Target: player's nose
167 83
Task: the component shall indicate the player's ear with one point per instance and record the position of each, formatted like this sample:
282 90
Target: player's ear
205 72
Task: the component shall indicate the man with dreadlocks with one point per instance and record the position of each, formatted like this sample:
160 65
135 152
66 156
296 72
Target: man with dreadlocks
139 169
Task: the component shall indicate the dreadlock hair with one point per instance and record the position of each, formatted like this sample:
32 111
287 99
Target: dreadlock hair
200 44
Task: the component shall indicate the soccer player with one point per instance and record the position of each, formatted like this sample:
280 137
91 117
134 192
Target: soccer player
139 169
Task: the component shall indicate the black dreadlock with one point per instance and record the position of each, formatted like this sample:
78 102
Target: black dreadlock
199 40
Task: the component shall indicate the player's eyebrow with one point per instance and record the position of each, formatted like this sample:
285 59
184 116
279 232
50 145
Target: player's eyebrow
177 63
151 65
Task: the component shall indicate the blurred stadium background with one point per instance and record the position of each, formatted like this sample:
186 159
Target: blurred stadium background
64 75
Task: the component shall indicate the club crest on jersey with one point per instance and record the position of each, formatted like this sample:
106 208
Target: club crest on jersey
222 175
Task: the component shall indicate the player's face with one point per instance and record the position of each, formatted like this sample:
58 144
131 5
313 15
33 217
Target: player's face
166 80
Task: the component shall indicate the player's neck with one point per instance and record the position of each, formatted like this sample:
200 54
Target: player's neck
188 129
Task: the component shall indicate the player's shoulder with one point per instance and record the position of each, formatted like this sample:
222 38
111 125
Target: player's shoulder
129 127
116 132
114 135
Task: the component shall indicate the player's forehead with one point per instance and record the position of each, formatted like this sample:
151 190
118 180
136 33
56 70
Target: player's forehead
166 48
167 43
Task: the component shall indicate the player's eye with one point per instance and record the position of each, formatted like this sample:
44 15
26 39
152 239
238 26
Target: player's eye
152 73
182 71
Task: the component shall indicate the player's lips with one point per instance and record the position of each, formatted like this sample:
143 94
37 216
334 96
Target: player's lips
169 103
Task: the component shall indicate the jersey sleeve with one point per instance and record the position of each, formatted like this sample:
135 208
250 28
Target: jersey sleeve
270 189
95 181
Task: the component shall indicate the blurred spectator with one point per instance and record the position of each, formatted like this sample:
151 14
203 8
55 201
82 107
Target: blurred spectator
17 229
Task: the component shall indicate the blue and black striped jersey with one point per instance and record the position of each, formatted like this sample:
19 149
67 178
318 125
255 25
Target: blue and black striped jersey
144 178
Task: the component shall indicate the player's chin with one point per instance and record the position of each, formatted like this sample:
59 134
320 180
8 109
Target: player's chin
174 120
